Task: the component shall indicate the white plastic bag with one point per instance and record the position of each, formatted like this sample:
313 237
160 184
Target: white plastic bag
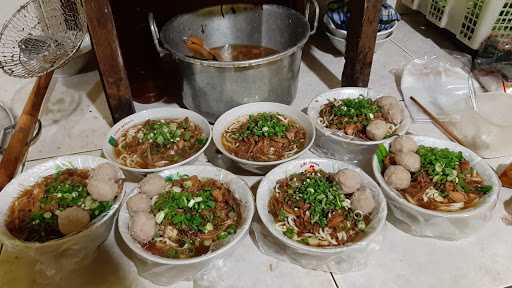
456 225
349 258
52 260
167 271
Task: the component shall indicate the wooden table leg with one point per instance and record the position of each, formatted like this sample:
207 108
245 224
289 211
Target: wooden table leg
361 36
108 53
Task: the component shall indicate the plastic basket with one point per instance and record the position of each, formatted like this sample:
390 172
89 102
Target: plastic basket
483 17
471 20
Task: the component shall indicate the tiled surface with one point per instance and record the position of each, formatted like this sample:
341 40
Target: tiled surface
482 261
79 121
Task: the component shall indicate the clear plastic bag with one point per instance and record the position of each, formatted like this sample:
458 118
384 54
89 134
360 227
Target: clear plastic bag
350 258
483 123
52 260
442 225
167 271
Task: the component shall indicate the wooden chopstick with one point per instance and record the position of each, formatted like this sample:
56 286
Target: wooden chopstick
446 131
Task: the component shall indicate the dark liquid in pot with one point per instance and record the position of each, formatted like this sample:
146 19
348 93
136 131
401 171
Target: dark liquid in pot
241 52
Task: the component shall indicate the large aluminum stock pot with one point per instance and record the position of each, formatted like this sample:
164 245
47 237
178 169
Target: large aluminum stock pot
212 87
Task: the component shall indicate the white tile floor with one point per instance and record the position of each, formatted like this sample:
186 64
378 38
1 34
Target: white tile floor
79 120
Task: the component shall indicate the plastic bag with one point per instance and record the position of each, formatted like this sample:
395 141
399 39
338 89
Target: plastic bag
167 271
52 260
349 258
457 225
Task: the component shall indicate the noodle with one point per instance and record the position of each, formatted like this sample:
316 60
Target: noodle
33 215
159 143
264 137
192 215
300 213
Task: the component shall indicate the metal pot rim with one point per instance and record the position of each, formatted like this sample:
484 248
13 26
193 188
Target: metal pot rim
246 63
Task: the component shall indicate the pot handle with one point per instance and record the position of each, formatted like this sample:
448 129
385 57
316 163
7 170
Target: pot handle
155 34
317 14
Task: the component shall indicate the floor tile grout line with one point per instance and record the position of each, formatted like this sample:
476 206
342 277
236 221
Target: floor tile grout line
334 280
65 154
403 49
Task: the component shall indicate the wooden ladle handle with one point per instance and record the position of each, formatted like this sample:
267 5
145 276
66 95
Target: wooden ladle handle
18 145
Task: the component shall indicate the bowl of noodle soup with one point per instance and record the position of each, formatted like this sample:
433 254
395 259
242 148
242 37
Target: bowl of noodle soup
207 177
65 252
259 136
157 139
347 241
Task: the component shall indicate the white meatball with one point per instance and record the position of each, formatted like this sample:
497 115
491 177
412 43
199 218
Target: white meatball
378 129
73 220
106 171
403 144
397 177
102 190
386 101
142 226
138 203
393 113
349 180
363 200
409 160
152 185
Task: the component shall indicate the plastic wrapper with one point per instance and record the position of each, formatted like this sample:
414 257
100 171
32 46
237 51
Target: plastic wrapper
336 145
482 122
167 271
52 260
342 259
456 225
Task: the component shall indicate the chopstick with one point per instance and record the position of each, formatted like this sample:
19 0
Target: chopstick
446 131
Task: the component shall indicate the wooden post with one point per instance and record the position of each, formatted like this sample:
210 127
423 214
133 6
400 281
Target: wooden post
361 36
108 54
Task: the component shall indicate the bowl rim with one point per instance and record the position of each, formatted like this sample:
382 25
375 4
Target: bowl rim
148 115
330 26
219 146
396 196
311 249
327 132
46 166
135 247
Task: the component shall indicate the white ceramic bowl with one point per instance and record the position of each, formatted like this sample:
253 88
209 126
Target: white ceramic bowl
239 189
334 144
226 119
268 183
341 43
155 114
436 224
65 253
343 34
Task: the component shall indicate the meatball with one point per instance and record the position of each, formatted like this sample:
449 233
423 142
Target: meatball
349 180
138 203
403 144
363 200
378 129
393 114
102 190
386 101
152 185
397 177
106 171
73 220
142 226
409 160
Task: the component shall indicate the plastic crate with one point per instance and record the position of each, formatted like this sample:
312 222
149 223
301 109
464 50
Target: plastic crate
471 20
483 17
437 12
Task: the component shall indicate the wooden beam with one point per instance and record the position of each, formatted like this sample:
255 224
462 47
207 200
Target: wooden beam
108 54
361 36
